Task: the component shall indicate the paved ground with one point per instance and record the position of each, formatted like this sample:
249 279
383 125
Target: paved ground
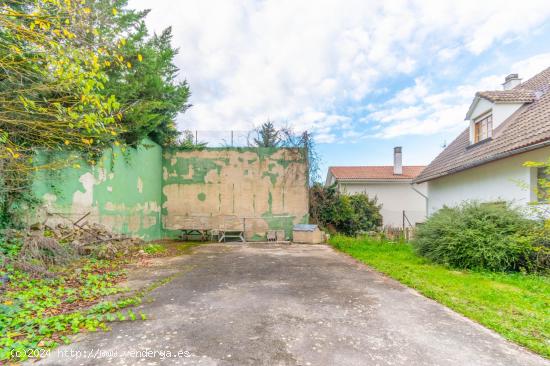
290 305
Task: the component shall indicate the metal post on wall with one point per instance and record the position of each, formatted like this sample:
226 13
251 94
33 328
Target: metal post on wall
231 138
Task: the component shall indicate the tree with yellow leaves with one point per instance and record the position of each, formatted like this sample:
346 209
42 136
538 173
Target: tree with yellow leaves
51 82
78 76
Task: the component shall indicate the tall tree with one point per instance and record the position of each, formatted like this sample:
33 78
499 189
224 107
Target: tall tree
52 93
61 65
51 82
146 82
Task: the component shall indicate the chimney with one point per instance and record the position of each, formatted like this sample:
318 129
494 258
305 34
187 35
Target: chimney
511 81
397 161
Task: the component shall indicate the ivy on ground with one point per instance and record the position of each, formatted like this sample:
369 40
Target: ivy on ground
41 313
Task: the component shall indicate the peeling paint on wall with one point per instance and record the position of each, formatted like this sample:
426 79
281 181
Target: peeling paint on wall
120 192
201 187
150 193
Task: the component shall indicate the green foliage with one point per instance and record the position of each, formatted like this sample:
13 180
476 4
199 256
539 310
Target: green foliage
542 190
35 312
494 237
40 313
16 198
79 77
146 84
346 214
187 142
306 143
267 135
514 305
52 83
9 248
538 239
154 249
52 80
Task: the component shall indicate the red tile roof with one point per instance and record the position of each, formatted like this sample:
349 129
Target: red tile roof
537 82
528 128
508 96
374 172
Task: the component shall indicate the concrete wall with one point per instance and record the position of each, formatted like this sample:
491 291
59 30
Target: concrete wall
151 194
123 191
394 197
505 179
264 187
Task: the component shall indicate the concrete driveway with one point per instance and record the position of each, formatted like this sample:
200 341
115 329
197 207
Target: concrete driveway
290 305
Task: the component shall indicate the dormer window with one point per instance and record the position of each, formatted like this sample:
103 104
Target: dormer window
483 128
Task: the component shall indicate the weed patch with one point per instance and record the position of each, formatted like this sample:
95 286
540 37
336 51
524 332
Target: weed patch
41 313
153 249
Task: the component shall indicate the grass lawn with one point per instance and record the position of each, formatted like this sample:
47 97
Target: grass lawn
515 305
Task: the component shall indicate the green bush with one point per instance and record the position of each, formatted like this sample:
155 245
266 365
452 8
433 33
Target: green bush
346 214
493 237
539 256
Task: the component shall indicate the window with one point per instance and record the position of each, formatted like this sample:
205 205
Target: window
543 185
483 128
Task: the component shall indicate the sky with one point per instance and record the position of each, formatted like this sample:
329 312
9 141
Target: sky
362 76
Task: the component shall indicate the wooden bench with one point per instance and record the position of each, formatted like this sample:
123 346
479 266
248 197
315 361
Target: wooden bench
194 226
221 228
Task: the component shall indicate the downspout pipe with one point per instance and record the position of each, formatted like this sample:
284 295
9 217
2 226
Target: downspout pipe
423 195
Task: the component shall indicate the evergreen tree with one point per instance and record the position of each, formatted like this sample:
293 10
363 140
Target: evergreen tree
147 87
267 135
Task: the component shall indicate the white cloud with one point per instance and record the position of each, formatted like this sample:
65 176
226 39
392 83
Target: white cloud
529 67
435 112
388 115
301 61
412 94
448 53
446 117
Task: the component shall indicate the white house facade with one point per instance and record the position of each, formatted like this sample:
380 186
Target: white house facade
502 180
391 185
486 162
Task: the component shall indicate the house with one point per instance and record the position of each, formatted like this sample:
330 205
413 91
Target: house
402 201
506 128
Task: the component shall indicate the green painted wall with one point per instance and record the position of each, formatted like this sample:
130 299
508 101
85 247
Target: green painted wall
150 193
265 187
123 191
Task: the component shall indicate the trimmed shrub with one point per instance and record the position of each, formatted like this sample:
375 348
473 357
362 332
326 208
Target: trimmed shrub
474 235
